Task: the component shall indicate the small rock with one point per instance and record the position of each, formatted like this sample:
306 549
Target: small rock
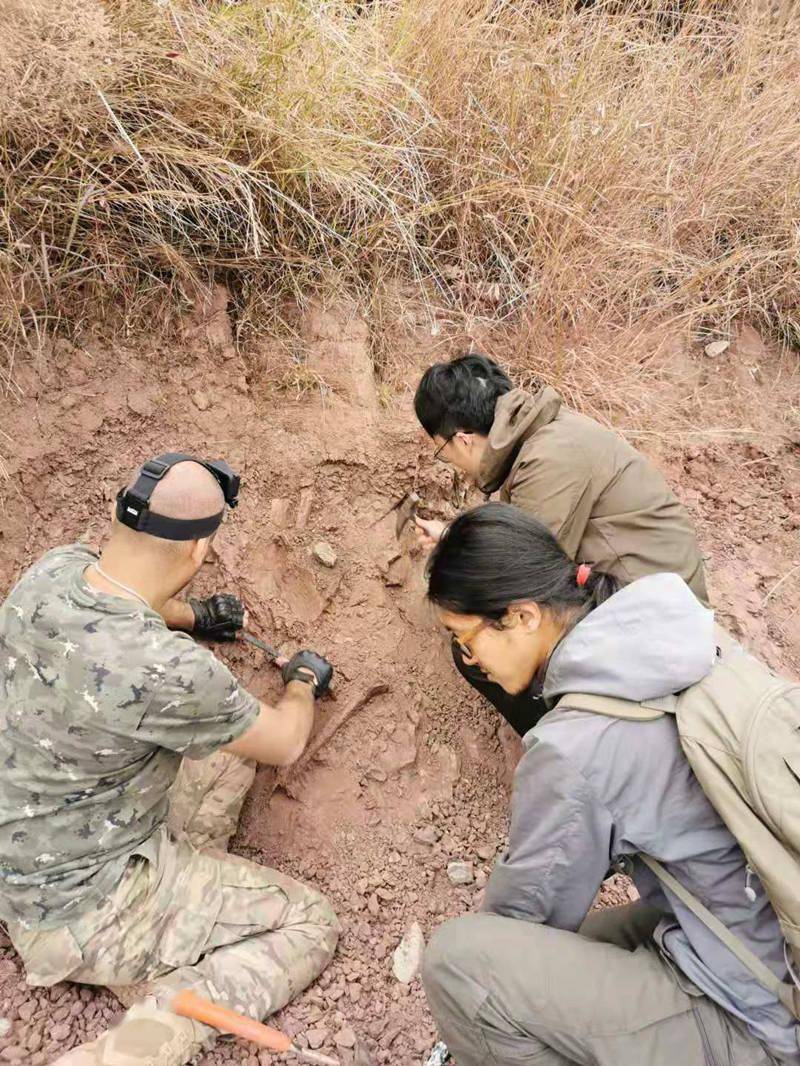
716 348
480 879
460 873
34 1040
407 957
345 1038
485 852
201 401
139 404
279 512
316 1038
69 401
13 1054
5 1027
60 1032
427 834
27 1010
324 553
373 906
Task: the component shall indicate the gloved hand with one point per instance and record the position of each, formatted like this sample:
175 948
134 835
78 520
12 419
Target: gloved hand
309 667
219 617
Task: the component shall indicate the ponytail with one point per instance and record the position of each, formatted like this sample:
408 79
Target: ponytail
496 555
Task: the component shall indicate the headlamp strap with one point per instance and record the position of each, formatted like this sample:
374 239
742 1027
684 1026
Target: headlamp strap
133 504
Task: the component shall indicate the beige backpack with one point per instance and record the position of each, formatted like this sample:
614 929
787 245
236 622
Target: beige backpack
740 730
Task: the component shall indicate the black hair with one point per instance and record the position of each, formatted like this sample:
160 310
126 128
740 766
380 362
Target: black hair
460 396
496 555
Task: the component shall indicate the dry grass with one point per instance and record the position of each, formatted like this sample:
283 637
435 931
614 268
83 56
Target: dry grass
608 163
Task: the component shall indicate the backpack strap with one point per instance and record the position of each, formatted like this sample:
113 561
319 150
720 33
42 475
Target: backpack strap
614 707
789 995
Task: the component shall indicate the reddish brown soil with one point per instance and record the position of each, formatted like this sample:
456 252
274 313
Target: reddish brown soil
426 754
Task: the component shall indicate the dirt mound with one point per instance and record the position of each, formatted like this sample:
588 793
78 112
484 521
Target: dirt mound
417 776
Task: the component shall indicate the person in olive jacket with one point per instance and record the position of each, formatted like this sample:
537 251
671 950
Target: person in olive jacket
605 502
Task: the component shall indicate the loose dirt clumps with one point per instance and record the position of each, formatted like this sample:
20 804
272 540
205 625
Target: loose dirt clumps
413 785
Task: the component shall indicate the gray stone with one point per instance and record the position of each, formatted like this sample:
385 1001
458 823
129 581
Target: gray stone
324 553
316 1038
345 1037
461 873
717 348
407 957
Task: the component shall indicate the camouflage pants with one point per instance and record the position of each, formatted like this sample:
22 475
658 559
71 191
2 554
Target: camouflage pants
241 934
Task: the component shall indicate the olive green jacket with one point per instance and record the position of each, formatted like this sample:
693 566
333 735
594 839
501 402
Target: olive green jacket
604 501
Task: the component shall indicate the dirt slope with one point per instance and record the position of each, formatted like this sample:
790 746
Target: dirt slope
418 776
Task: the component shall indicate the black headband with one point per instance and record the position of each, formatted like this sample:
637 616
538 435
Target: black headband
133 504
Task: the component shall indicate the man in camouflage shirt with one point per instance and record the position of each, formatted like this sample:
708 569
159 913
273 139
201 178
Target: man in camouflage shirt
125 749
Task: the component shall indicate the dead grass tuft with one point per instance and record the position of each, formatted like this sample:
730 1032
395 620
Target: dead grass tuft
612 162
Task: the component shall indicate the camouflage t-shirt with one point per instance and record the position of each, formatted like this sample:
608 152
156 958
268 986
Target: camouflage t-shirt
99 701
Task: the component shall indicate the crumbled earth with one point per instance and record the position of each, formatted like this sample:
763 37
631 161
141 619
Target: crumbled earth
417 778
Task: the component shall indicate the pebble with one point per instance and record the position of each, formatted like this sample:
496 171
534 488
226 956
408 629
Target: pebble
717 348
201 400
140 405
407 957
5 1027
460 873
480 879
60 1032
345 1038
485 851
13 1054
427 834
35 1040
324 553
316 1038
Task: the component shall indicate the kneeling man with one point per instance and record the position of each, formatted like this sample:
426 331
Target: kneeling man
126 751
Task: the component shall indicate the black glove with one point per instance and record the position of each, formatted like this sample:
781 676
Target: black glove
309 667
218 617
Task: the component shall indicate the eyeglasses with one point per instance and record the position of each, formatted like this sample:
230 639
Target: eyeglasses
439 450
463 643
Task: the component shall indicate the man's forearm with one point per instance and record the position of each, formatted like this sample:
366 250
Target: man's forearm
178 614
298 702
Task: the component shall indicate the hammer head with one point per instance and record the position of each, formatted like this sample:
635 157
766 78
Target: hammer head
406 510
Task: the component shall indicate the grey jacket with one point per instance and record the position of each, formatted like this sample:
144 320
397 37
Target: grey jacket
591 790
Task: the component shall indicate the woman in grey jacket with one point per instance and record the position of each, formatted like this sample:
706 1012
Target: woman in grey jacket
531 978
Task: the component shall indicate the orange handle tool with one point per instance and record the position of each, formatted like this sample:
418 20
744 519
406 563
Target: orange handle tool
189 1005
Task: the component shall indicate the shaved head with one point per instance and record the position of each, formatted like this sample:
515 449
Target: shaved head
187 490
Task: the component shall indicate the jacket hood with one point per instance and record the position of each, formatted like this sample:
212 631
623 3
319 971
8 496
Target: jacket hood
517 416
651 639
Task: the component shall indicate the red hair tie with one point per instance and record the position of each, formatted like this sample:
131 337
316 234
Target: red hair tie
582 575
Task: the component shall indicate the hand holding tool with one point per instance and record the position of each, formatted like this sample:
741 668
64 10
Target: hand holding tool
219 617
406 509
308 667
